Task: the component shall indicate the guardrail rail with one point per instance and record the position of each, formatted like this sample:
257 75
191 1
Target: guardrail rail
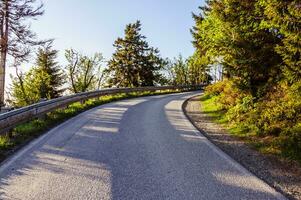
11 119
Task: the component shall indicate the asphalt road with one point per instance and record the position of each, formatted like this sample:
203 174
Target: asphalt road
141 148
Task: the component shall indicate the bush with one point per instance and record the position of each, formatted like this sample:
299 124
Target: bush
277 115
216 88
290 142
279 109
229 94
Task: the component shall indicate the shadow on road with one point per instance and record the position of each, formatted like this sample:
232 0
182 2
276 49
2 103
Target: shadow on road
136 149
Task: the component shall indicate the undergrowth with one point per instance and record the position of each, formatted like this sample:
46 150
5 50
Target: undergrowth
271 124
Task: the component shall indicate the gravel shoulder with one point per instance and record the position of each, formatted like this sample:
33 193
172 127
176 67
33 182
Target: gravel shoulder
283 175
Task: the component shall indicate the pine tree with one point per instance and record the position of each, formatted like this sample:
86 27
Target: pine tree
232 30
46 57
134 62
284 17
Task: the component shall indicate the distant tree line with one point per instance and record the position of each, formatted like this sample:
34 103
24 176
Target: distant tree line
190 71
133 64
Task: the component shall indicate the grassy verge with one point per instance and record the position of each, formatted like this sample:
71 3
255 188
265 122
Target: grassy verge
266 145
26 132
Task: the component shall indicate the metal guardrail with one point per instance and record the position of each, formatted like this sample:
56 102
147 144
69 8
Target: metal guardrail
13 118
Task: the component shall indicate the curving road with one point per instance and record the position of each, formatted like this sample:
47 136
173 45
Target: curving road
140 148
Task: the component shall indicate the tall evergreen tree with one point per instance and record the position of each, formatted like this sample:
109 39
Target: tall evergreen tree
232 29
134 62
44 81
284 17
46 57
259 44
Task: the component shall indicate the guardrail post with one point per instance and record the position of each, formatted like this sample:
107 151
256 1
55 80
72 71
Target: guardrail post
9 133
43 116
83 101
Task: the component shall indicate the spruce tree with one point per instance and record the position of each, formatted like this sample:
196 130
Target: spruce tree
45 61
43 81
284 17
232 30
134 63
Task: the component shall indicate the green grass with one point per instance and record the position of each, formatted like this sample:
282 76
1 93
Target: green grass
218 115
212 108
26 132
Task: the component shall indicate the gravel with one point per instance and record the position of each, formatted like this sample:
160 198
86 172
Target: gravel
283 175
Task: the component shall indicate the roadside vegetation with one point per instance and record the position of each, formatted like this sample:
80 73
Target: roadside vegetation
258 96
255 123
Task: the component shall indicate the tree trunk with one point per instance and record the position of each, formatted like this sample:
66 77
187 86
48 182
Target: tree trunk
2 78
3 45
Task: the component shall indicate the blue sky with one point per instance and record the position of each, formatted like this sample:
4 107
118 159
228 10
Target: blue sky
93 25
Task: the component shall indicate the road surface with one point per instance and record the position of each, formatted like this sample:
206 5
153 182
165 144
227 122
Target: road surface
142 148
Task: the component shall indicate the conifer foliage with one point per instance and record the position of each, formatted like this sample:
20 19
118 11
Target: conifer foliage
134 62
232 29
43 81
258 43
285 18
46 61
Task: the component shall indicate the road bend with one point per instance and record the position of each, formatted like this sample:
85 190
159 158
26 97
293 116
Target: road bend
143 148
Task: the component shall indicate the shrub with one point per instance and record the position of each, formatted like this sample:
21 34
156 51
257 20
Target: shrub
276 115
216 88
290 142
229 94
279 109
